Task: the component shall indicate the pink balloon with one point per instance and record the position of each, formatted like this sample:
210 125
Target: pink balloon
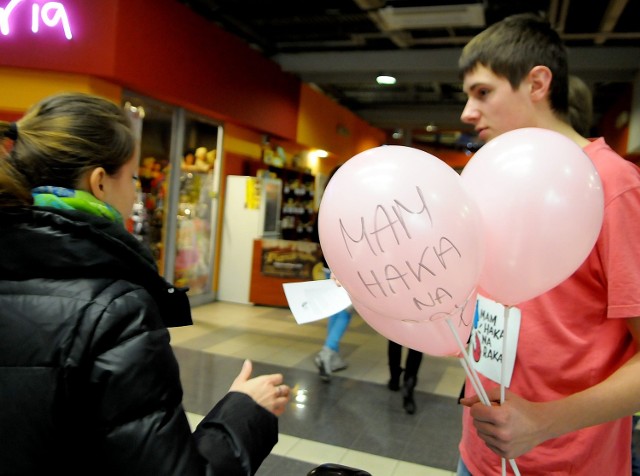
542 206
431 337
401 234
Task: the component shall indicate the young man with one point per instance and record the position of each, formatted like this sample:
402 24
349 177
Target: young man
576 377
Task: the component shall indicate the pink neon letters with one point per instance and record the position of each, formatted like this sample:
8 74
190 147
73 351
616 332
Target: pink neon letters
50 14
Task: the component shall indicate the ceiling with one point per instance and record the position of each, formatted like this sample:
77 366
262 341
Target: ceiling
340 46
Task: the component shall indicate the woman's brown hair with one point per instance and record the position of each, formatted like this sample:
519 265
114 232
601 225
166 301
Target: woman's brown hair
58 140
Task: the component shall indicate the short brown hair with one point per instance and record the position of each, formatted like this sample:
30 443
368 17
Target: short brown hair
513 46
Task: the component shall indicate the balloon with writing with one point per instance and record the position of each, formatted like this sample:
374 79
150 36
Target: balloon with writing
434 338
542 206
401 234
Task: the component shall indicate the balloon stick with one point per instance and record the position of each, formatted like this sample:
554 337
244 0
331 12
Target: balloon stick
503 378
465 361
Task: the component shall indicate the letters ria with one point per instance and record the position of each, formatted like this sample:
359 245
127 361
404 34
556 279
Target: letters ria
50 14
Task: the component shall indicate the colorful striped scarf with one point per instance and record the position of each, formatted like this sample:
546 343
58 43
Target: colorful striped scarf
68 199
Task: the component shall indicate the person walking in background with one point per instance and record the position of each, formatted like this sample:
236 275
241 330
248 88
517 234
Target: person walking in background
574 384
411 367
328 360
90 384
580 106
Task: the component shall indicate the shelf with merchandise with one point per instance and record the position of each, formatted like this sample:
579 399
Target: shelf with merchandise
298 213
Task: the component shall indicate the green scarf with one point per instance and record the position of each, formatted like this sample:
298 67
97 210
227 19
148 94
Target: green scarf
68 199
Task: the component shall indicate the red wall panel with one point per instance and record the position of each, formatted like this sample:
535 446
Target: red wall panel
162 49
180 56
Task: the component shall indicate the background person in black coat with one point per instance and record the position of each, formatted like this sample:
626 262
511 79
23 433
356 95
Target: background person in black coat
411 367
88 381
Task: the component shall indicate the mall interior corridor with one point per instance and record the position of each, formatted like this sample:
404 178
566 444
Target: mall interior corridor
354 420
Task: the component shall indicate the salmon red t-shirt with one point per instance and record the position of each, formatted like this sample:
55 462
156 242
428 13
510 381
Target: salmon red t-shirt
574 336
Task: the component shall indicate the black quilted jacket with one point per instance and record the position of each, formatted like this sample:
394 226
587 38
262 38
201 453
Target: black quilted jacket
88 381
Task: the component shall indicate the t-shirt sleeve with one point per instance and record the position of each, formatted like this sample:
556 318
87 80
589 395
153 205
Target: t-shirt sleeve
619 247
619 241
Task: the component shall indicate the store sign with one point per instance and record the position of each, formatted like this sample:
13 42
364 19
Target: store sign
50 14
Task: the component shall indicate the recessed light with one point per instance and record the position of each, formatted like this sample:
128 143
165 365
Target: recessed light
386 79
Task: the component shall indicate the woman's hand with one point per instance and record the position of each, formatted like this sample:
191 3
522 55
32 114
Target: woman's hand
267 390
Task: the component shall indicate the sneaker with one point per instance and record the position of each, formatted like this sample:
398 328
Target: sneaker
329 361
323 362
337 363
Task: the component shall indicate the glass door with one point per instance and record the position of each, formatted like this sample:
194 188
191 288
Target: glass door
149 222
197 206
177 206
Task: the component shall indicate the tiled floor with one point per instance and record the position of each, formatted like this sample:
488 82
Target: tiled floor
354 420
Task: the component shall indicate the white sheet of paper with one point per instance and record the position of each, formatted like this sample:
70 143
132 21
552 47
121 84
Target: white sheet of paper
314 300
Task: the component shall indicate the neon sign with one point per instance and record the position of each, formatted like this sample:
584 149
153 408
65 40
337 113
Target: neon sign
50 14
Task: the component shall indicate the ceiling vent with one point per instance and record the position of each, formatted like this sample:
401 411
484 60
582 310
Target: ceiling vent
440 16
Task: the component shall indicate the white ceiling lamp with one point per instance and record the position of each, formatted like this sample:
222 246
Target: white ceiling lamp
439 16
385 79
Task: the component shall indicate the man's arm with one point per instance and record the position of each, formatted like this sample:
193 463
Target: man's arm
517 426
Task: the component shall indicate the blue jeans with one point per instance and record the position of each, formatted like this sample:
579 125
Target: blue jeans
337 325
462 469
336 328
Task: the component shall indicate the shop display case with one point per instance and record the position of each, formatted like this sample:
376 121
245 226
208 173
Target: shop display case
148 219
175 214
298 210
196 211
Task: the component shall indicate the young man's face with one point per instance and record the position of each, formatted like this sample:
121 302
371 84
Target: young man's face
493 106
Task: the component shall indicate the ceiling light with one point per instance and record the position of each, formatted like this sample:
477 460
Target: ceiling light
385 79
440 16
318 154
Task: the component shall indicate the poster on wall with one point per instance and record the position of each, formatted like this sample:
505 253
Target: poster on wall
290 259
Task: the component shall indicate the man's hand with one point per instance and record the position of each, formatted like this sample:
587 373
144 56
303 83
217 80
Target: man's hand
510 429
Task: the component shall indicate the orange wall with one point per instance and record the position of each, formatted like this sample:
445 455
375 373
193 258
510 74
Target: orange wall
21 88
325 124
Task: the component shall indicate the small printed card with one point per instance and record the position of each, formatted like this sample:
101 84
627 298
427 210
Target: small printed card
488 339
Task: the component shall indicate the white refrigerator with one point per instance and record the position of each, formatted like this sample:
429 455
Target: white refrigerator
251 211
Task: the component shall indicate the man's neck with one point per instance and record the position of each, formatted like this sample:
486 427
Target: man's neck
554 123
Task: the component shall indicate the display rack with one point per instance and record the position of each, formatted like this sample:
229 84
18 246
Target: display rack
298 212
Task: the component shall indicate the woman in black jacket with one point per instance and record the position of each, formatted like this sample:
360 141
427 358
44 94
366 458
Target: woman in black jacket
88 381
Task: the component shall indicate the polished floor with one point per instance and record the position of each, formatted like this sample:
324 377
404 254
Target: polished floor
354 420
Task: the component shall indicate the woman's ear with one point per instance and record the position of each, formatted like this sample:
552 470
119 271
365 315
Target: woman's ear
540 81
97 182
